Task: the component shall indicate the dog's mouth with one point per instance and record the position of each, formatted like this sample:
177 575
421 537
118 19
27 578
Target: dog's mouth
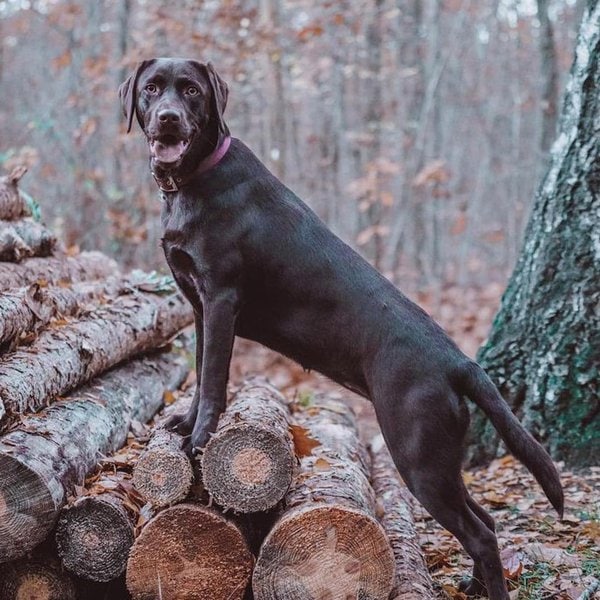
168 149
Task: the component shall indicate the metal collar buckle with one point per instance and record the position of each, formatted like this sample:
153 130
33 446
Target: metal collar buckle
166 184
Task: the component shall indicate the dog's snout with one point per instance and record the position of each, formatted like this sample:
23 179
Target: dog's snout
169 116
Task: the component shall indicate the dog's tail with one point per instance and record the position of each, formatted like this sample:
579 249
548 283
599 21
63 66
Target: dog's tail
476 385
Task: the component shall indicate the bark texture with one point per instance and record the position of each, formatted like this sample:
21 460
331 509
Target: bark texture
247 465
12 202
163 473
53 270
24 238
48 454
395 502
327 542
544 348
192 552
83 349
24 311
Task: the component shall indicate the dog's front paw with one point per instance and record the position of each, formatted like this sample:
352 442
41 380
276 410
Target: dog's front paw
179 423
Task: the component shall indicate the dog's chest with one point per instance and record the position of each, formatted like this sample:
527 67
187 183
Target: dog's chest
184 238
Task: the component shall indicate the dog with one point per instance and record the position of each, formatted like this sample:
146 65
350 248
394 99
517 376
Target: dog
256 262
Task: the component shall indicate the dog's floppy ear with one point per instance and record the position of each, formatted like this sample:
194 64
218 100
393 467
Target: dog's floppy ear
127 93
220 93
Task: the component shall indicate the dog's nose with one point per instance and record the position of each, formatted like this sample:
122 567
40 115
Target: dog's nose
168 116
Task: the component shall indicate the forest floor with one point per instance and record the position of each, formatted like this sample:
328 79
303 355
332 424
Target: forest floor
543 558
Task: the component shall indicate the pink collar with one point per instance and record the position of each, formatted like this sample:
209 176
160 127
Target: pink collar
172 184
214 158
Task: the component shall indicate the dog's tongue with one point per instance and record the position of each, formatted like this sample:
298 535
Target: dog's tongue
167 153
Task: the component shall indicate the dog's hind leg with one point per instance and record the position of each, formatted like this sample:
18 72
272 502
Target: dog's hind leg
424 433
474 585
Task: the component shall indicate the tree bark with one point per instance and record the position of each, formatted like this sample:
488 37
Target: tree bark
412 581
35 579
544 348
12 202
50 453
80 350
95 532
26 310
327 542
189 551
247 465
86 266
163 473
24 238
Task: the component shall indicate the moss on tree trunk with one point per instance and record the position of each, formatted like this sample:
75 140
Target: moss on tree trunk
544 348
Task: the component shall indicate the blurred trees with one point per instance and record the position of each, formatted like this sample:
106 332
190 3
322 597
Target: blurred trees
415 128
544 349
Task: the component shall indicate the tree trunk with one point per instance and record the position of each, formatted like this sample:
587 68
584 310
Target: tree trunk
544 348
35 579
62 358
86 266
395 502
28 309
12 202
247 465
189 551
327 542
163 473
95 533
50 453
24 238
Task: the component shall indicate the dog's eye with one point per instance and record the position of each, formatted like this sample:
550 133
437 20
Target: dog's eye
191 91
151 88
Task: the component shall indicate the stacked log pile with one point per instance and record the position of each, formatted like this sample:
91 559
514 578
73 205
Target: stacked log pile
285 502
83 355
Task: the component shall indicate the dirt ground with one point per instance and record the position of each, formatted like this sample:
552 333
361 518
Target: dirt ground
543 558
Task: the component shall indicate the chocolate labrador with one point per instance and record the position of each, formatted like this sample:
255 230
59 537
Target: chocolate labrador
255 261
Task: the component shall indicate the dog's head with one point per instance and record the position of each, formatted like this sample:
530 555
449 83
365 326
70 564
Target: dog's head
179 104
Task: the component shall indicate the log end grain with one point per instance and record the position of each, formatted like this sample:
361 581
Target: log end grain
247 468
29 580
93 538
325 552
189 551
26 503
163 474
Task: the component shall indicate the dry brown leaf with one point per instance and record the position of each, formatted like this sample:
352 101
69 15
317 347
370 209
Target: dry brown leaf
303 443
322 465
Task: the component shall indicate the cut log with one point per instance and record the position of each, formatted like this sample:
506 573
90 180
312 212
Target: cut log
95 533
327 542
24 238
82 349
86 266
93 537
35 580
192 552
247 465
163 474
50 453
12 202
395 502
28 309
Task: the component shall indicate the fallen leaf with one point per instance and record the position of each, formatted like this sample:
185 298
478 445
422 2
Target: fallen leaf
303 443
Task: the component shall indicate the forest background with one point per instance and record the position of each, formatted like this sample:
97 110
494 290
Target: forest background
417 129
